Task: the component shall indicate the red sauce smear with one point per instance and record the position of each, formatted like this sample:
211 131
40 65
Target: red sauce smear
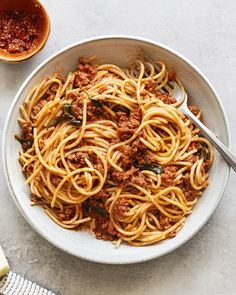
18 31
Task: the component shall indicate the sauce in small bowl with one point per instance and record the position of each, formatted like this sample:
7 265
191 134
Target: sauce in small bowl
24 29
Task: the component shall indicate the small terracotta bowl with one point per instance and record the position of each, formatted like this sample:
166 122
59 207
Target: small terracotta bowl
32 7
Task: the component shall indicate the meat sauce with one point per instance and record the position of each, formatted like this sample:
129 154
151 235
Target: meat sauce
19 31
94 207
127 122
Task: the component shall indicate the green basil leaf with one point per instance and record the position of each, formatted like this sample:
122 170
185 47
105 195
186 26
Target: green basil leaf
66 114
75 121
204 153
96 209
97 103
67 108
26 142
56 121
121 109
157 169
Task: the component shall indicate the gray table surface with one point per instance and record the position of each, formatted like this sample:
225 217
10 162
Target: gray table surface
204 31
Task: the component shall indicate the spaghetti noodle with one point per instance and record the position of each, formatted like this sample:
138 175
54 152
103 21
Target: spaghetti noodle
107 149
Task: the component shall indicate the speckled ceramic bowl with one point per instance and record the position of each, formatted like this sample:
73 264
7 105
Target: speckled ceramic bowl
117 50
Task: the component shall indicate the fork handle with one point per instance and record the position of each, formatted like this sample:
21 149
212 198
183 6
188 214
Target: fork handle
229 157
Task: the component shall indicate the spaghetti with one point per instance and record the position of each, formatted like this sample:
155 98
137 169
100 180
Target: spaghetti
107 149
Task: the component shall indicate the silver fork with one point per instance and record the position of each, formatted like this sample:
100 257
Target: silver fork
222 149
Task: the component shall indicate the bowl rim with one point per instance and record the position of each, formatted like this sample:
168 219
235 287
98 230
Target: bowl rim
4 149
25 56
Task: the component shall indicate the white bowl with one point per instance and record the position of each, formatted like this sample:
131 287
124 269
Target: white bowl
117 50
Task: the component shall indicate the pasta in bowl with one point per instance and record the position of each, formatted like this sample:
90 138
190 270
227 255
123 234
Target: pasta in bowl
105 148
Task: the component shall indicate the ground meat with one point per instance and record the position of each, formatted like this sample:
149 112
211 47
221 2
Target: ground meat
38 106
171 234
191 159
165 222
101 195
194 109
105 230
68 214
78 159
189 192
85 73
122 177
143 92
27 131
171 75
169 175
114 140
206 165
137 151
165 97
52 90
19 30
60 164
102 89
139 179
133 190
35 199
127 125
41 143
77 106
26 135
120 116
195 145
93 112
121 207
150 86
132 175
30 168
81 79
141 155
94 207
55 179
98 165
127 156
